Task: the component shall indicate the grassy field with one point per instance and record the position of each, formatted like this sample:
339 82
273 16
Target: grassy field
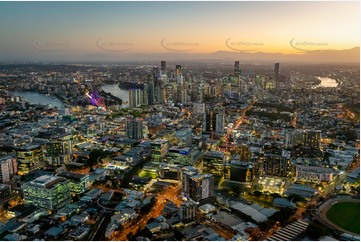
153 175
346 215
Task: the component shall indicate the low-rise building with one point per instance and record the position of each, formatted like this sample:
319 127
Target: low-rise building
315 174
78 183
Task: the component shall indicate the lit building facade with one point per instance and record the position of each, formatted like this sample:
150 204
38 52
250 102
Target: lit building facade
314 174
50 192
213 162
188 212
159 149
241 171
179 156
134 128
276 165
201 187
8 167
306 138
213 122
78 183
58 152
29 158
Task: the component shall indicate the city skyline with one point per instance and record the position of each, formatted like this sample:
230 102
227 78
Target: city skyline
66 31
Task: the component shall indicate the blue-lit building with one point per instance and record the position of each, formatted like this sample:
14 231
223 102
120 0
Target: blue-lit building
179 156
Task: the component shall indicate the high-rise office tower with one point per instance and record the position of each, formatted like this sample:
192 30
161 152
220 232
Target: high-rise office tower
201 187
276 165
307 138
241 171
187 173
276 73
50 192
134 128
150 91
163 66
188 212
213 122
145 100
155 73
236 68
8 167
135 98
178 70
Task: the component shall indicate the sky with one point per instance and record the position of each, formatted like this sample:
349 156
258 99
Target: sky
32 29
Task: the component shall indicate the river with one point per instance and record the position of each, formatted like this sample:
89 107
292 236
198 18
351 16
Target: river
327 82
117 92
38 98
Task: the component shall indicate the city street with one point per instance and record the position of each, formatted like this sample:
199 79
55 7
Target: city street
171 193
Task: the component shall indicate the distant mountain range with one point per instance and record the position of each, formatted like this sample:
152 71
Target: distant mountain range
324 56
321 56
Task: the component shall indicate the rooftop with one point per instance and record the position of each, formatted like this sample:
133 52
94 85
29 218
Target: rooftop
215 154
71 175
46 181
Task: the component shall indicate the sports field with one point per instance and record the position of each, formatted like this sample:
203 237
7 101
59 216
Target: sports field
346 215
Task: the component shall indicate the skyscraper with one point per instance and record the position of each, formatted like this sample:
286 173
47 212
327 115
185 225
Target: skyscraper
178 70
307 138
241 171
276 73
236 68
134 128
276 165
150 90
213 122
163 66
188 212
201 187
135 98
8 167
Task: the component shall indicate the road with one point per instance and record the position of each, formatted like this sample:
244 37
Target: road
325 192
171 193
238 122
220 230
107 189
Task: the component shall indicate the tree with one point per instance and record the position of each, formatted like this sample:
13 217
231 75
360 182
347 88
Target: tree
129 236
316 231
266 225
257 193
296 198
6 205
282 215
275 195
